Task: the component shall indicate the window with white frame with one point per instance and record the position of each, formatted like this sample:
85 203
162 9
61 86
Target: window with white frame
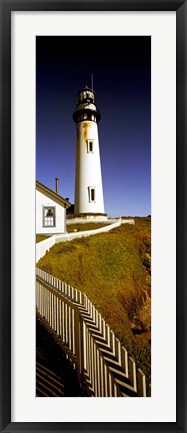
48 216
91 192
90 146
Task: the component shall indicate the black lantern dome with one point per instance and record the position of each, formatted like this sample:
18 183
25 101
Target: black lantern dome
86 108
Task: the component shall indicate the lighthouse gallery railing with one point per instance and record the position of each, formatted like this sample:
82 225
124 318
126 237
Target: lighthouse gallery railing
102 363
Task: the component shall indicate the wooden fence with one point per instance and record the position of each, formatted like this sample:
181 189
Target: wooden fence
102 363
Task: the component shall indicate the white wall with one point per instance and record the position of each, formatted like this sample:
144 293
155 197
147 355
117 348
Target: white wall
105 220
60 219
85 233
43 246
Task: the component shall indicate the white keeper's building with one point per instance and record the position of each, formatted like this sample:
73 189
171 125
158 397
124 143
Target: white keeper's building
50 210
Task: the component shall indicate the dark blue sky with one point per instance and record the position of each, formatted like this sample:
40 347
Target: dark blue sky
121 67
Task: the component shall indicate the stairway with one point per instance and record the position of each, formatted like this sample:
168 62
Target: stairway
55 375
48 384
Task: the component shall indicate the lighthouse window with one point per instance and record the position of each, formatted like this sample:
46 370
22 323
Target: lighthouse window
48 216
90 146
80 117
91 194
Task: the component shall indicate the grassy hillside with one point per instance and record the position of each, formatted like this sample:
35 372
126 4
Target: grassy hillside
113 269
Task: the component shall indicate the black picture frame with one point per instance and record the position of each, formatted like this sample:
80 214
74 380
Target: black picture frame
6 6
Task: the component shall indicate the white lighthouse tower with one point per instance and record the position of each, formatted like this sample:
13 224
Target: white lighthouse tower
88 180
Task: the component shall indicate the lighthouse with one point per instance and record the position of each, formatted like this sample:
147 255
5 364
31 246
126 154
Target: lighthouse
89 201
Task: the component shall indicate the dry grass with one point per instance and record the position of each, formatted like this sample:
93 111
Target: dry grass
84 226
113 269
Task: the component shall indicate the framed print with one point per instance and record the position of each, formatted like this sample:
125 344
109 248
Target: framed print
110 308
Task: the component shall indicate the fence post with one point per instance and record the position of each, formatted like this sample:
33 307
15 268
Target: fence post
132 373
79 345
124 360
141 382
118 350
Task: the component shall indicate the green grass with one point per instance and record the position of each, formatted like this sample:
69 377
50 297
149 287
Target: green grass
113 269
84 226
40 238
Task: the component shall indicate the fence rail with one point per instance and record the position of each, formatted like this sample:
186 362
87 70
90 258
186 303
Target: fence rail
102 363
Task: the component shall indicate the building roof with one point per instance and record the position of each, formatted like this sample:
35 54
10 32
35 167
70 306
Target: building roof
52 195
